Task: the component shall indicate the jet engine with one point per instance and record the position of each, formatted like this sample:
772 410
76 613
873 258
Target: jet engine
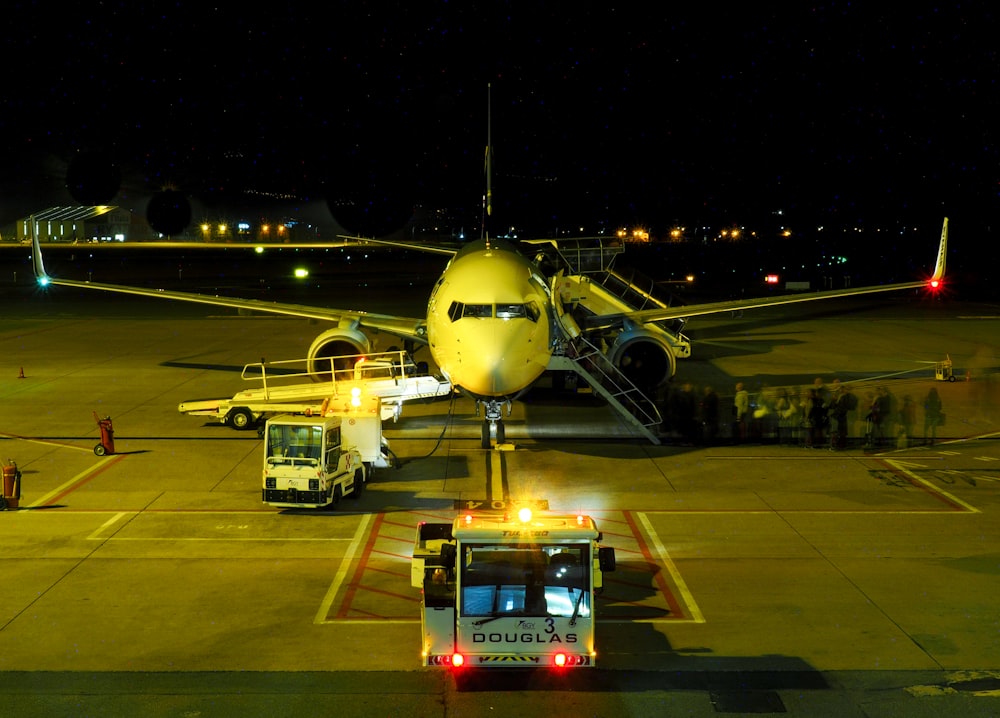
644 356
339 342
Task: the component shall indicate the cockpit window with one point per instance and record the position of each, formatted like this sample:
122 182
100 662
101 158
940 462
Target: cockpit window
459 310
510 311
480 311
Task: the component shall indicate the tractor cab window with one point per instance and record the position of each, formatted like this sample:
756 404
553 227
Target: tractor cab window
332 449
525 580
294 443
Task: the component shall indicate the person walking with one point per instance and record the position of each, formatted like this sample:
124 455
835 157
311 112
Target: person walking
741 408
907 416
840 405
816 418
933 416
685 409
710 416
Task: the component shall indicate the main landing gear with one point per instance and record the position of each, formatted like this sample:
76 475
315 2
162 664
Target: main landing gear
493 423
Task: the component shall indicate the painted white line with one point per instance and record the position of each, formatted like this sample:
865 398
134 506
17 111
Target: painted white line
219 538
931 487
675 575
345 565
368 621
96 536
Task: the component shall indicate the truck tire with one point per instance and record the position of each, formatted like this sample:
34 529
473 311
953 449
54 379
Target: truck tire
240 418
359 484
335 495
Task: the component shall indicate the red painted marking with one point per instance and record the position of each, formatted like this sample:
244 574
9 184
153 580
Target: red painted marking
388 572
923 487
352 587
407 542
675 606
395 556
390 594
409 526
356 585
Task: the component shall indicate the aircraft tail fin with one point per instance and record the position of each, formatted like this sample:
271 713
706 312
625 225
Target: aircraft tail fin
942 253
36 257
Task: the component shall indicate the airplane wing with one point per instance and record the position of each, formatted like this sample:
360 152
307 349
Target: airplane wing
405 327
694 310
418 247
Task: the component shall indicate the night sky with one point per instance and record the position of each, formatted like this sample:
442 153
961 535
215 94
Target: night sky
602 114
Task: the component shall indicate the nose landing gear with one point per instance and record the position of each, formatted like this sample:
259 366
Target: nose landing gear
493 421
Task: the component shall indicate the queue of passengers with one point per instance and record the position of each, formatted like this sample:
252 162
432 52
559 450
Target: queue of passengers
816 416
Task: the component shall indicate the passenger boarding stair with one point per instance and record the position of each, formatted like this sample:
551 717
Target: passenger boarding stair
612 385
586 284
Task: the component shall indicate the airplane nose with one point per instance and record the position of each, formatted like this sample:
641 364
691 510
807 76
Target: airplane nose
500 358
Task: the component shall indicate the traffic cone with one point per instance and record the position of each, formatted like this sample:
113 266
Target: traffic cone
21 375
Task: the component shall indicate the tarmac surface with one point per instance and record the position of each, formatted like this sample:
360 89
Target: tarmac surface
754 577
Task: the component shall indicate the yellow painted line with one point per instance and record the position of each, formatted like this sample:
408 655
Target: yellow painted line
675 575
48 442
338 580
498 463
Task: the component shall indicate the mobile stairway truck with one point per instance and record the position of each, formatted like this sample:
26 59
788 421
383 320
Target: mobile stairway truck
502 592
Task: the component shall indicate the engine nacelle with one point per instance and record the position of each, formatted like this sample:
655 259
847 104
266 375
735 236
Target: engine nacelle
339 342
644 356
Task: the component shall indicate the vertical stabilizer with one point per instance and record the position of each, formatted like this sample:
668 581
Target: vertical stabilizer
36 256
942 252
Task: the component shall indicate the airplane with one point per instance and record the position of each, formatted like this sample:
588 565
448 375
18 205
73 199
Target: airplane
501 314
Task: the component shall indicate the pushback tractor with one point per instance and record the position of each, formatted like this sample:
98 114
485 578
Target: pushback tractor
311 462
509 592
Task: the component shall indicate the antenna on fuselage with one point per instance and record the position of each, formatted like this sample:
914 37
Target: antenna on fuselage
488 197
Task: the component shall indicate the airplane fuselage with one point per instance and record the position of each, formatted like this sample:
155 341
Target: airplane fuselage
489 320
